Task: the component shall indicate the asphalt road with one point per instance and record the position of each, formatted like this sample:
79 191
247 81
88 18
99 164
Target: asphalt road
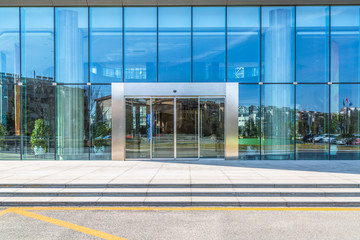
180 224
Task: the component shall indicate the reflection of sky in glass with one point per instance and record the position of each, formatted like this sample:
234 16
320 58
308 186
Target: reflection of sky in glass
209 44
249 95
243 46
37 42
140 44
312 44
174 44
345 44
9 38
106 44
314 97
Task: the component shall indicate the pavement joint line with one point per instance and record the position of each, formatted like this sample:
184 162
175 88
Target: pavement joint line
69 225
182 209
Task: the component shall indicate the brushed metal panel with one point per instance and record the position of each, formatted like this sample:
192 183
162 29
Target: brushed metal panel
231 121
168 89
118 121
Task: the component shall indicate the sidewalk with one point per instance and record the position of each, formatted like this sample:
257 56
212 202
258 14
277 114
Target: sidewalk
171 172
195 183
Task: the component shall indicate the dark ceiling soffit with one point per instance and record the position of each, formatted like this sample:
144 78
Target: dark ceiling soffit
28 3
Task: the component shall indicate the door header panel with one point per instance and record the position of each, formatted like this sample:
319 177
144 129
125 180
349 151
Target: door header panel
172 89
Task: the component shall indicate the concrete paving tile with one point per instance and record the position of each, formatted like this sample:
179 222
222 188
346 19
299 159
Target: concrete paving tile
121 199
215 199
261 199
28 199
75 199
307 199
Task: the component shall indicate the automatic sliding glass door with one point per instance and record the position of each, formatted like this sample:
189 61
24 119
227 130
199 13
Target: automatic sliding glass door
180 128
163 128
138 128
187 127
212 128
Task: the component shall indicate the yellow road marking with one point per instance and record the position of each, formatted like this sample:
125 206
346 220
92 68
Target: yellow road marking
190 208
4 211
66 224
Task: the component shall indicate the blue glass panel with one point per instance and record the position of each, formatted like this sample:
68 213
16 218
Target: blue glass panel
243 44
174 44
249 122
278 44
100 122
277 121
345 55
37 44
9 45
312 44
312 108
72 122
140 42
345 122
106 45
209 44
71 38
9 74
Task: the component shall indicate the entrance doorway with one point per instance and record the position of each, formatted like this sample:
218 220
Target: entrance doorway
174 127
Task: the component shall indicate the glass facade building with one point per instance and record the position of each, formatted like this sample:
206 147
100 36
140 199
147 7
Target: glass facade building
296 70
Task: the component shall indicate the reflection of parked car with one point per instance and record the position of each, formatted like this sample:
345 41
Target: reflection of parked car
321 138
309 137
356 141
332 138
345 141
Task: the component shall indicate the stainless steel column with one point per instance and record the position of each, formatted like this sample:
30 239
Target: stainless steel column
118 121
231 121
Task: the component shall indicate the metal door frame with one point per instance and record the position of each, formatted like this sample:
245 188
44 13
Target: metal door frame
122 91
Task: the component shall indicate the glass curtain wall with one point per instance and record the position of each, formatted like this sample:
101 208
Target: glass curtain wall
140 44
312 121
10 106
72 46
209 44
100 122
249 122
278 44
37 71
312 44
174 44
106 38
243 41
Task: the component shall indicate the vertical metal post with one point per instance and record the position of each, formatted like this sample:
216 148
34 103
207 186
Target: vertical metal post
175 117
199 127
294 121
151 127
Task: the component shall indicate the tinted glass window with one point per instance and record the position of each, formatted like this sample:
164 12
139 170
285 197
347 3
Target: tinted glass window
174 44
100 122
277 121
249 122
72 123
37 44
312 44
345 23
312 108
345 122
106 45
243 44
71 33
278 44
140 44
209 44
9 45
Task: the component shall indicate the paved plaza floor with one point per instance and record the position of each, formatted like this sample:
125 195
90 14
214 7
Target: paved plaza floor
175 172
